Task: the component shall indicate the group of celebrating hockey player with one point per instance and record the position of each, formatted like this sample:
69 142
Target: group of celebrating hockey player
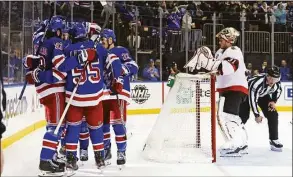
78 65
237 95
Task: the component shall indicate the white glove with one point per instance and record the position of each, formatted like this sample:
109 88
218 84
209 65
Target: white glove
203 59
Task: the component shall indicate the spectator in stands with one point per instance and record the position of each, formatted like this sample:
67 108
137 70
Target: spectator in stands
158 65
174 68
280 15
249 70
150 72
290 16
186 27
131 39
253 18
285 71
174 26
263 15
173 72
255 72
264 67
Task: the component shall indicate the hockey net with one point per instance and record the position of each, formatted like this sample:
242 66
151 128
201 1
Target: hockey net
185 130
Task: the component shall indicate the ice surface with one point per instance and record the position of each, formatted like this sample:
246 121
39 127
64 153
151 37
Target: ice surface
22 158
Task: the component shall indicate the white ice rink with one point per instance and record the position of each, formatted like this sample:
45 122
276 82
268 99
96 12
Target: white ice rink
22 158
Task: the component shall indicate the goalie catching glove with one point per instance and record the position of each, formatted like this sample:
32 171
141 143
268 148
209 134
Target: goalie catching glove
117 85
203 58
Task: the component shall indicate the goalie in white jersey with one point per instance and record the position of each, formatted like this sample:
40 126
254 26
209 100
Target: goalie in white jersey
232 86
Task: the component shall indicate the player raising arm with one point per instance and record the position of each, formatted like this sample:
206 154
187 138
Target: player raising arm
232 86
264 91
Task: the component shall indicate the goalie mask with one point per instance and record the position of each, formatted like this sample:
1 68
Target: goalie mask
229 34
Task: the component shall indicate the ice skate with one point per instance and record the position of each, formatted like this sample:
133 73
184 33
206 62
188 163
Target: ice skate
51 168
108 156
99 160
83 155
71 162
230 150
276 146
121 159
244 149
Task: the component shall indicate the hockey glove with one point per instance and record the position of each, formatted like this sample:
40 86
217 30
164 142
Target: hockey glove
32 76
31 61
117 85
86 55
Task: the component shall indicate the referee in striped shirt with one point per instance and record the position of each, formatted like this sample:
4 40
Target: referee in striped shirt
264 91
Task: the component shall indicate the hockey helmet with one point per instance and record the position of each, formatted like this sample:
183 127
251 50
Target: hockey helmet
56 23
274 72
107 33
37 37
229 34
79 31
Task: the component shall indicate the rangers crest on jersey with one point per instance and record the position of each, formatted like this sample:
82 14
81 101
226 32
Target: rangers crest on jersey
58 45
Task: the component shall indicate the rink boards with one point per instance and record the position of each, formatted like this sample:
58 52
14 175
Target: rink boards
146 98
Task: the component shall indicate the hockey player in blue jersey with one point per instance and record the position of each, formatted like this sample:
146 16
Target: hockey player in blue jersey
86 64
111 104
84 134
49 83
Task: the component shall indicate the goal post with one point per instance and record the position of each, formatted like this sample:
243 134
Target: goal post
185 130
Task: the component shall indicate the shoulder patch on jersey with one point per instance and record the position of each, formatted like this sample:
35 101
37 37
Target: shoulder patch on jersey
59 46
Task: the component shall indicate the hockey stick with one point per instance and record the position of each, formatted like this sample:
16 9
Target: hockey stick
37 52
69 101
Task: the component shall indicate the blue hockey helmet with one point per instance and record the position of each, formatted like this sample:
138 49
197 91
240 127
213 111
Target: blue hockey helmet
79 31
56 23
107 33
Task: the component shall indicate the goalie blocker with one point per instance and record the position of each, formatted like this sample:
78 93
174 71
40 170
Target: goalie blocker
232 86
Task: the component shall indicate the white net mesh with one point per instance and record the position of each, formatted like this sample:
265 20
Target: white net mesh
183 130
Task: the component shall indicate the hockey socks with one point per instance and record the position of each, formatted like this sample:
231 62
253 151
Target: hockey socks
107 136
72 137
50 143
84 136
120 136
97 137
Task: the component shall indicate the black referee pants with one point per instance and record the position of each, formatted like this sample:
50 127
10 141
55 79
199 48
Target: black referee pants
272 116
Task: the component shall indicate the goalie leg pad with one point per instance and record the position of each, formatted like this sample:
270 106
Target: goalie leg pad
232 128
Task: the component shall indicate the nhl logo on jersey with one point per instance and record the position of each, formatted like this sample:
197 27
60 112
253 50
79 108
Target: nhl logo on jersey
140 94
